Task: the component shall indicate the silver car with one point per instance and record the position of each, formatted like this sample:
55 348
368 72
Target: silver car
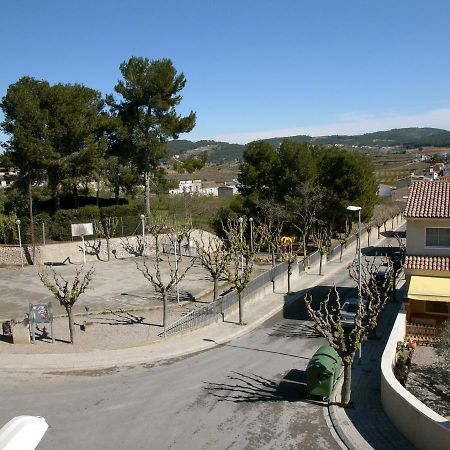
349 310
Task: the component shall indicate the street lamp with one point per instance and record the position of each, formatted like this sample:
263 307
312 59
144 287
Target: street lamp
20 241
143 232
251 233
241 220
358 208
353 209
175 244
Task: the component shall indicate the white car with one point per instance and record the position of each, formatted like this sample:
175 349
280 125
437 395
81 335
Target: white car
349 310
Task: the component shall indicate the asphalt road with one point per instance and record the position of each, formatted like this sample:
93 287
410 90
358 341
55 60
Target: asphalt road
247 394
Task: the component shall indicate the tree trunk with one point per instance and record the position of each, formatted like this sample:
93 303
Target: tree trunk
346 391
216 288
56 201
108 249
71 325
116 192
30 201
340 255
75 195
241 308
164 296
289 281
378 230
97 197
147 192
304 246
368 238
320 264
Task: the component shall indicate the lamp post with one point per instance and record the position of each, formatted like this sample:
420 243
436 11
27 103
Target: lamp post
241 220
175 244
142 217
251 233
358 208
20 241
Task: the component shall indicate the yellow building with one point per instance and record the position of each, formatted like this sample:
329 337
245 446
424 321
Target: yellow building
427 263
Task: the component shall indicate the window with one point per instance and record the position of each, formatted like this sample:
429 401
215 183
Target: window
437 237
436 307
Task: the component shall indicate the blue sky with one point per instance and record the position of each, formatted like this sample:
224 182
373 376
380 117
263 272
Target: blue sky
254 68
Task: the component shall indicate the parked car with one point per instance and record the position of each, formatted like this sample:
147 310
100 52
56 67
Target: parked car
382 278
349 310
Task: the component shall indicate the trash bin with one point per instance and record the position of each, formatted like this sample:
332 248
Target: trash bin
322 372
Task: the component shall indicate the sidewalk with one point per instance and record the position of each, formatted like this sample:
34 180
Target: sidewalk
364 426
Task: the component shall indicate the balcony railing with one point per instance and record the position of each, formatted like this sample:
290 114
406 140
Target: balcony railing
423 334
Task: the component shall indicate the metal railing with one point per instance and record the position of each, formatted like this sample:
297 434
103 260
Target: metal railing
210 313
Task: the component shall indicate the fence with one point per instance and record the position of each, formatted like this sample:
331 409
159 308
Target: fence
423 334
210 313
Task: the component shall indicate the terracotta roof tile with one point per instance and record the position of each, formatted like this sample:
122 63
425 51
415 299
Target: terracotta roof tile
429 199
427 262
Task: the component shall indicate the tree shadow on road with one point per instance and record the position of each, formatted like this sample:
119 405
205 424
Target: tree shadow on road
294 330
242 388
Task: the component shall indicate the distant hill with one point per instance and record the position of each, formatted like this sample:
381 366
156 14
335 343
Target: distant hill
218 152
408 137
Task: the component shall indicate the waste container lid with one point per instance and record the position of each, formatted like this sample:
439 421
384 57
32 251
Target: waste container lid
327 352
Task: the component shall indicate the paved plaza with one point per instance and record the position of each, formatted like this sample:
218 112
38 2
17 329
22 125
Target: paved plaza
117 284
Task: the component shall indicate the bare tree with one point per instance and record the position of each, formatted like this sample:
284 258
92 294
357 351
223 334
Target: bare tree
379 219
346 341
66 292
134 249
106 228
291 260
214 257
343 236
270 228
306 207
240 263
369 227
152 273
321 235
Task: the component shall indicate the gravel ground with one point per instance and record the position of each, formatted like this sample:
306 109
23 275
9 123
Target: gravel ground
112 330
428 380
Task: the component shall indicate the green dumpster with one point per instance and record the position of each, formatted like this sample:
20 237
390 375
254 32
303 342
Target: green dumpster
322 372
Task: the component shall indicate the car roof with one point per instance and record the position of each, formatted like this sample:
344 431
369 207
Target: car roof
354 301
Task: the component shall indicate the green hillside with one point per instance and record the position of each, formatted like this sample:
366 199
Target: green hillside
219 152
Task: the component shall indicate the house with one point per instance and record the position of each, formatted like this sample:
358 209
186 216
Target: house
7 176
431 173
427 262
211 189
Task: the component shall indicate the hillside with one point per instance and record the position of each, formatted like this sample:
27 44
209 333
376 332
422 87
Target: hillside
219 152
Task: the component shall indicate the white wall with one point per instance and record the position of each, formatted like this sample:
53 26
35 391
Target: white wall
419 424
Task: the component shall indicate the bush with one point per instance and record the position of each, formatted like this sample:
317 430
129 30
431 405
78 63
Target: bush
442 344
8 229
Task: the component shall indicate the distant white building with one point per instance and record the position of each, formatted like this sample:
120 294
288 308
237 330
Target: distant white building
7 176
195 187
431 173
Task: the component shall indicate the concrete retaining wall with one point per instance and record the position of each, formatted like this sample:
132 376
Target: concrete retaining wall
73 251
422 426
